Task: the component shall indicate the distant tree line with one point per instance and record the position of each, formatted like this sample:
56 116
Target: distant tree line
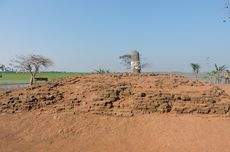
7 69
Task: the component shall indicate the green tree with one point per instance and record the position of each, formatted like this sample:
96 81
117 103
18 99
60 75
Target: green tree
195 68
218 72
216 76
210 76
2 67
126 61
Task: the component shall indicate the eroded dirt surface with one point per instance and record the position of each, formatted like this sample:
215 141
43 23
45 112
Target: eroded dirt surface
120 95
116 112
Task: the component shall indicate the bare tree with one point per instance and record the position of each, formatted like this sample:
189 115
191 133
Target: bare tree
227 7
32 64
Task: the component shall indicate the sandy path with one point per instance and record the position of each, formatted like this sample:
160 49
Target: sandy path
92 133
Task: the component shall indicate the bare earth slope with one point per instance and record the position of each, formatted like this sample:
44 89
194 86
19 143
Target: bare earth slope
117 112
92 133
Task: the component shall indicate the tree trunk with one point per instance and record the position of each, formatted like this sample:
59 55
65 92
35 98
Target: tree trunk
196 76
32 80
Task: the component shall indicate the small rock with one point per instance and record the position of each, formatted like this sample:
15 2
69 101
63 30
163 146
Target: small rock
60 131
142 94
185 98
60 109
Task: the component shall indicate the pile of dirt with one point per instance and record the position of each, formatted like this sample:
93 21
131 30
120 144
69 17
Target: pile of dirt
119 94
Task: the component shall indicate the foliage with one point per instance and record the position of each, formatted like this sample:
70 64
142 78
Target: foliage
2 67
7 69
102 71
218 72
210 76
196 69
220 68
32 64
216 75
126 61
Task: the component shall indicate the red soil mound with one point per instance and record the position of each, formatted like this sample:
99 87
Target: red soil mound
121 95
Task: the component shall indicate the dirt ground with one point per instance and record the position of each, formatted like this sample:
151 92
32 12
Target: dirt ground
92 133
116 113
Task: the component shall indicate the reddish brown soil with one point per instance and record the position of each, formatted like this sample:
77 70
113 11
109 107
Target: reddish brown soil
116 112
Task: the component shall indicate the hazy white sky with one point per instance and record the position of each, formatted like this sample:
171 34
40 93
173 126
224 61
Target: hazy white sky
84 35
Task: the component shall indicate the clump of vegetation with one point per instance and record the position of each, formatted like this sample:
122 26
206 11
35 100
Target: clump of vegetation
126 61
196 69
2 69
216 75
102 71
7 69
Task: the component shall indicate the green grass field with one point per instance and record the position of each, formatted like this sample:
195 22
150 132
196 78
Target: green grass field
22 78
